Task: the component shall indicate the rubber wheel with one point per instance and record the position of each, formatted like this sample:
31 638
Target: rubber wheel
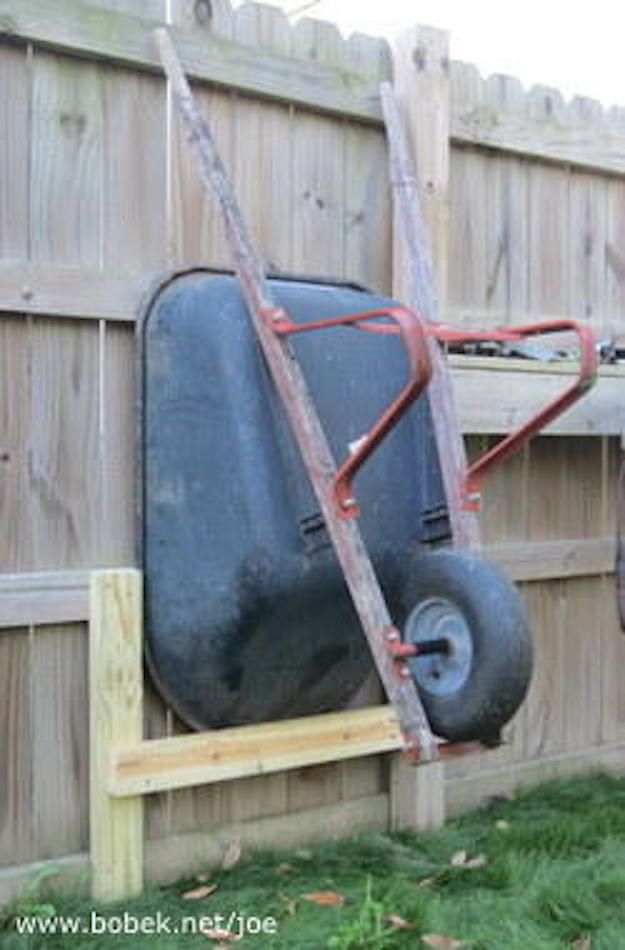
473 689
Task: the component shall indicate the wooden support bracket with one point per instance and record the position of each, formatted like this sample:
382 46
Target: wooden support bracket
159 765
124 766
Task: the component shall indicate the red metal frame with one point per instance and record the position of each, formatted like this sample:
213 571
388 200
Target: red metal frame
511 443
413 330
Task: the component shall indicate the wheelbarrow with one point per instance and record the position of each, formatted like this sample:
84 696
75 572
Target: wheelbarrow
265 561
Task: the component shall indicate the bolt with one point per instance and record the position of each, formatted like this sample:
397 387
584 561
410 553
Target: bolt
348 503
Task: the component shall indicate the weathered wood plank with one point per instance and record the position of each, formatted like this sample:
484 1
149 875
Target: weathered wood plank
196 233
547 560
60 739
224 754
134 197
367 217
495 396
117 537
14 122
417 115
17 823
208 54
51 597
15 537
52 290
477 790
64 445
66 161
546 139
75 27
115 719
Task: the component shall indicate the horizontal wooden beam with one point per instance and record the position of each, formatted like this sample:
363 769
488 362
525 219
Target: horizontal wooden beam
73 292
80 29
120 37
578 145
54 597
43 598
158 765
487 782
549 560
496 395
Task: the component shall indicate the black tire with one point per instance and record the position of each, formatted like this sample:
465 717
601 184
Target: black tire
470 693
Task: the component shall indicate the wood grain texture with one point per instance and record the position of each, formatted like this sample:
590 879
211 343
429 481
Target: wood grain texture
419 173
14 121
117 535
134 195
59 691
17 821
417 122
74 26
66 162
64 445
534 123
51 597
115 718
224 754
15 536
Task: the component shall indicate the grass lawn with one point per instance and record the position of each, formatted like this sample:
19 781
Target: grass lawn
542 872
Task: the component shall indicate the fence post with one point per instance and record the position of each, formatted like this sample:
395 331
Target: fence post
422 87
115 719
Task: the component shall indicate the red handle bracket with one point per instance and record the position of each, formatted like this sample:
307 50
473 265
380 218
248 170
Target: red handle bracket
515 440
412 330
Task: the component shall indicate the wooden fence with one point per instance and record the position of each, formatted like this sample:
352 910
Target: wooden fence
98 197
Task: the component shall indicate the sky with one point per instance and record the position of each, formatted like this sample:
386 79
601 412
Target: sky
577 47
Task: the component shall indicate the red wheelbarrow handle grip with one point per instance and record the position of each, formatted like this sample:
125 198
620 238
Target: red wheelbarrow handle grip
411 327
515 440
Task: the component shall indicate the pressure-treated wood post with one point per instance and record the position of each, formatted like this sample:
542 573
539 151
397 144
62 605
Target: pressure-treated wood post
422 88
116 719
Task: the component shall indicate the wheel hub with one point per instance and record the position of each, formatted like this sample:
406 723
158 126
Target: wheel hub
445 670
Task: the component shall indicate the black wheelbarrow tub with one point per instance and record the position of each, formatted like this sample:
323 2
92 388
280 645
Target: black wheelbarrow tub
247 615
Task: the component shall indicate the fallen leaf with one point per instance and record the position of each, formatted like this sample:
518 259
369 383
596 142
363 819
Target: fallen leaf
397 922
198 893
459 859
325 898
443 942
502 825
582 943
232 855
284 868
478 862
